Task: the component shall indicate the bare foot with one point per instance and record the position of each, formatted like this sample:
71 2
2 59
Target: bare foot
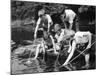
86 66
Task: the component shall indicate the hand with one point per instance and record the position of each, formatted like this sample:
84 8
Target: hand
89 46
57 46
66 63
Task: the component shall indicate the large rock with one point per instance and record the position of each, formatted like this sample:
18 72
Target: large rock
20 32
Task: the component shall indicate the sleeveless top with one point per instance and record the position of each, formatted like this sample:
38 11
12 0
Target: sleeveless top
44 22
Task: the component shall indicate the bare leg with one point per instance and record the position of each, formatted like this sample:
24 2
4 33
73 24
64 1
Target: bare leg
54 45
37 52
87 56
43 49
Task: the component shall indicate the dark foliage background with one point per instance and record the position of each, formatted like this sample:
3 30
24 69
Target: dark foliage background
23 12
22 9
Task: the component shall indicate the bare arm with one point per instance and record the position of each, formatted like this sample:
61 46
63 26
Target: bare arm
54 47
48 27
37 26
37 52
71 53
50 22
61 37
90 37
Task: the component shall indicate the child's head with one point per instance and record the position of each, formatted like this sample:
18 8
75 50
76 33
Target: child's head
57 27
41 12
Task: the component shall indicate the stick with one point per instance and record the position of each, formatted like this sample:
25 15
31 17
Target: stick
77 55
80 53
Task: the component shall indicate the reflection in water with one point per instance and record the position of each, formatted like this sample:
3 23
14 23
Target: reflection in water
36 66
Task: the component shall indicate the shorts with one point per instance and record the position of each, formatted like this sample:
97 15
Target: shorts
82 47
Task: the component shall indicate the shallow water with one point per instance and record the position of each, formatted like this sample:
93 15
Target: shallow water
19 63
20 66
35 66
49 64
